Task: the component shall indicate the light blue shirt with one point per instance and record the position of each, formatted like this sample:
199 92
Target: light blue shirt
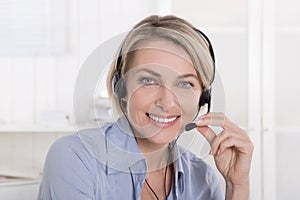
107 164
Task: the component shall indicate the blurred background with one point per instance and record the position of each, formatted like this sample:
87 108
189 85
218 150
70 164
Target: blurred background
43 44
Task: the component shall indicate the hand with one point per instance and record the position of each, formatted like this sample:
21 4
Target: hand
232 149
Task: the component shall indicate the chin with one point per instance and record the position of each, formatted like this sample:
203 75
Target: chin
164 136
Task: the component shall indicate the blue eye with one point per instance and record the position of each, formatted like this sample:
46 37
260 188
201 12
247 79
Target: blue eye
148 81
185 84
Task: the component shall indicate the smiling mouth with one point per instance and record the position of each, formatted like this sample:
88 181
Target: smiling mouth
161 119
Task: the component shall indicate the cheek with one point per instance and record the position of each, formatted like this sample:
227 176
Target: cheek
139 98
139 103
189 106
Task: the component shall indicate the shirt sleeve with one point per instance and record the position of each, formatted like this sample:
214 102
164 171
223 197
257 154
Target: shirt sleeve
216 187
67 172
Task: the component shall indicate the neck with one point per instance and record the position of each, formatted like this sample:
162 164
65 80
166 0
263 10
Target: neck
157 156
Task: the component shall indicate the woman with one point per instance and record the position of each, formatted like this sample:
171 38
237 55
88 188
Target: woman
160 79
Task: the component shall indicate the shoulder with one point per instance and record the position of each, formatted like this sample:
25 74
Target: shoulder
76 141
71 149
68 156
69 170
66 145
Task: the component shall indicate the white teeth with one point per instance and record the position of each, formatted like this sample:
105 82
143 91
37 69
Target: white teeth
162 120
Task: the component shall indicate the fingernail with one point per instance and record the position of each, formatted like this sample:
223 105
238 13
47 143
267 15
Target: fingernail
199 122
213 151
219 152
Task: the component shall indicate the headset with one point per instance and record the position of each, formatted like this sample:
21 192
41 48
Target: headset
119 88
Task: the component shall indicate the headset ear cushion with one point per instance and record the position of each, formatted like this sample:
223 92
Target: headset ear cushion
119 88
205 99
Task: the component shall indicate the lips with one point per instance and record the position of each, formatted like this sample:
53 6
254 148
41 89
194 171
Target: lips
163 120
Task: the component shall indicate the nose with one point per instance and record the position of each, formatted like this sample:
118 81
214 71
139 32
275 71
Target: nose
167 100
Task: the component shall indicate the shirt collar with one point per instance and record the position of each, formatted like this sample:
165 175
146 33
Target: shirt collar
121 141
123 153
116 148
179 168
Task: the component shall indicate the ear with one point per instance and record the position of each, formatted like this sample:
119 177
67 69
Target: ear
205 99
118 84
123 104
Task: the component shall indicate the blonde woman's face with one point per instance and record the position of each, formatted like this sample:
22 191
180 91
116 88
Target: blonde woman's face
163 91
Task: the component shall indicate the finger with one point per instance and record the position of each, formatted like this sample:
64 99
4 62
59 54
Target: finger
219 115
208 133
242 146
220 120
224 135
217 141
213 119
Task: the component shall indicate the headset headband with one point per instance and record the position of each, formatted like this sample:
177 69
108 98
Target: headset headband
119 88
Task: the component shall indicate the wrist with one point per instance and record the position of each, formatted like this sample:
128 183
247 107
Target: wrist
237 191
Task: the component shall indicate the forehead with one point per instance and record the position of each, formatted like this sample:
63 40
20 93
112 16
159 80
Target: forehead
163 53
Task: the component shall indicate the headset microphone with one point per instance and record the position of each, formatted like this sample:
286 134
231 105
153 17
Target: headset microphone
190 126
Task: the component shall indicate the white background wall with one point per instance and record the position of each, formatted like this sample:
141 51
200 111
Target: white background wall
275 26
32 85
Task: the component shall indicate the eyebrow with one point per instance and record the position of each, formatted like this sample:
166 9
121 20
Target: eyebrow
187 75
158 75
149 71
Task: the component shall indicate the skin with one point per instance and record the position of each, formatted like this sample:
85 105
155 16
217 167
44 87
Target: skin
232 150
157 88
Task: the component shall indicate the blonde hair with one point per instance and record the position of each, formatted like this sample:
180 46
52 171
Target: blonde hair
170 28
